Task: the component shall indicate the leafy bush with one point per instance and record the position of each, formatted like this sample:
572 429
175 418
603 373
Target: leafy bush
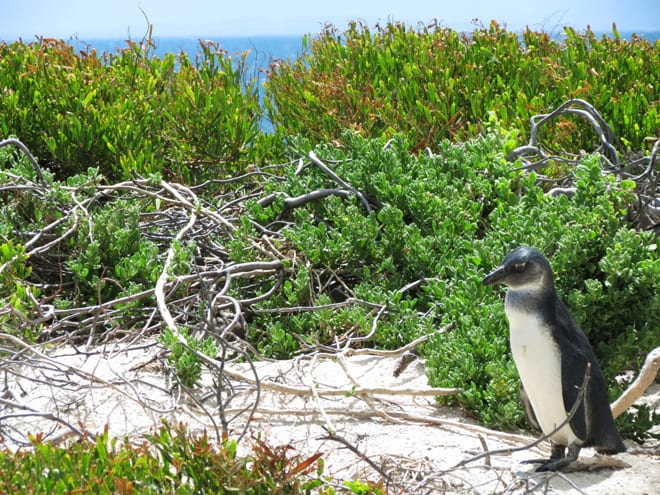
129 112
434 83
184 362
450 218
101 252
354 255
170 461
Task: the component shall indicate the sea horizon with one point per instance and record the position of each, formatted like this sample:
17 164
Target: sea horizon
263 49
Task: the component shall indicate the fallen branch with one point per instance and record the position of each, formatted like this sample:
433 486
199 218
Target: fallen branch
331 435
646 376
643 171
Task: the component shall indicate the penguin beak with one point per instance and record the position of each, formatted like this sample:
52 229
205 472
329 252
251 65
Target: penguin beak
495 277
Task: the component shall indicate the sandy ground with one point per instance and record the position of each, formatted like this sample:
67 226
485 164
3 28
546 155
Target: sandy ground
394 423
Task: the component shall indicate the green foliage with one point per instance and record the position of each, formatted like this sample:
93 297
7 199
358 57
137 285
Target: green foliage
183 359
111 253
362 488
370 256
638 423
446 217
434 83
450 218
14 271
129 112
579 235
170 461
101 253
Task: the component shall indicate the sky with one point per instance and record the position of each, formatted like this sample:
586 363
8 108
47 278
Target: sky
89 19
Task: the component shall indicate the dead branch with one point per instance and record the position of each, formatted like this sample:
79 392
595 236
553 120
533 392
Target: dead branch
179 216
26 152
646 376
643 171
317 161
331 435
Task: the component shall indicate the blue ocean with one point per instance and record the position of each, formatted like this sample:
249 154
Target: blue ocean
262 50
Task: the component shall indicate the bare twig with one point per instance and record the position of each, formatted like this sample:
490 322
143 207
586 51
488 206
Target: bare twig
317 161
643 171
331 435
26 152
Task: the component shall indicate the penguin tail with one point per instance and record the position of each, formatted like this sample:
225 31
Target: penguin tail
616 448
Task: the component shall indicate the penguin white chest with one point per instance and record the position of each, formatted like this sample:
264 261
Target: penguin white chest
537 357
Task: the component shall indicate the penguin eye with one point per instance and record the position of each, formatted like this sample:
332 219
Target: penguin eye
519 267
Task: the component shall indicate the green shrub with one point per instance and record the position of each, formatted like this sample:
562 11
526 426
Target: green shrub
185 364
351 261
170 461
129 112
434 83
450 218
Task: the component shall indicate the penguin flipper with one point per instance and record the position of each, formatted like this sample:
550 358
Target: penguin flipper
573 368
576 354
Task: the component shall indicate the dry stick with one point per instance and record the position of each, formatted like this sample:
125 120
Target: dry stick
70 370
599 124
372 332
221 368
26 151
235 269
331 435
567 479
35 412
358 391
337 392
329 426
648 213
637 388
297 201
387 352
578 401
341 361
165 312
317 161
198 207
257 266
47 246
301 309
484 446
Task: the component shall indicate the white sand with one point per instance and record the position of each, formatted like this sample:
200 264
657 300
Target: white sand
407 435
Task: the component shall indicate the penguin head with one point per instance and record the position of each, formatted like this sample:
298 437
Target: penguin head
522 268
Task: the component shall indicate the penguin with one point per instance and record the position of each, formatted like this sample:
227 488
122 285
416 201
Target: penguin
552 353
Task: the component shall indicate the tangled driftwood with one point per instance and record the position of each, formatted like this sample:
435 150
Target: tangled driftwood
642 170
213 300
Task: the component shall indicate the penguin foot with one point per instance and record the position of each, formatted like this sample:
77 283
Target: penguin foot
536 461
549 464
554 464
557 460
